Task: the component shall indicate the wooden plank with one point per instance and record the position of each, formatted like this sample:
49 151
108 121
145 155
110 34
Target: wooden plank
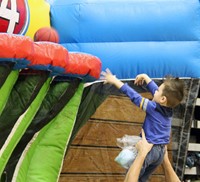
94 160
104 133
157 178
91 160
90 178
119 108
106 178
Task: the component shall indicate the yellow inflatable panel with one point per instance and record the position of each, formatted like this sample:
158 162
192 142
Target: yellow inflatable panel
24 17
39 16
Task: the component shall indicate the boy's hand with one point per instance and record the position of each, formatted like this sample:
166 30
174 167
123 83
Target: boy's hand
141 78
108 77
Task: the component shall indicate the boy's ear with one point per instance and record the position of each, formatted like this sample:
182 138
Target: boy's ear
163 99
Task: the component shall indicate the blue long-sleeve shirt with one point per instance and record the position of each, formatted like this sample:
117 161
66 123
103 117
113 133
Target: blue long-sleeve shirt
157 123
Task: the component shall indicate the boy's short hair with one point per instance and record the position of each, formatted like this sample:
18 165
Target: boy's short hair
174 90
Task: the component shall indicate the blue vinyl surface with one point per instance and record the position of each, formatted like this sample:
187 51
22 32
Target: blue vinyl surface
157 37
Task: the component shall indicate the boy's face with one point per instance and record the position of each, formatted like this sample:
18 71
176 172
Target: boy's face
158 95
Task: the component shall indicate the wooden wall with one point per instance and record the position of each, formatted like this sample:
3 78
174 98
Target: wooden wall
91 155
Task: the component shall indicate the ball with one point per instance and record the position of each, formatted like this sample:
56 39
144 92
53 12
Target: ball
46 34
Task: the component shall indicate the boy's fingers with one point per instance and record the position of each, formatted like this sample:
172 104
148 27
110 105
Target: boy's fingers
108 71
102 78
136 81
142 82
103 73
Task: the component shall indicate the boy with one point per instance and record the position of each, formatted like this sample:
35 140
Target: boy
157 124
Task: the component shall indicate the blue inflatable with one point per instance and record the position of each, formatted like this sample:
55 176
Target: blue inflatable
131 37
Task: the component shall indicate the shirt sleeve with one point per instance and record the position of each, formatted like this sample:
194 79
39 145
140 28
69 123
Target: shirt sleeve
152 87
143 103
135 97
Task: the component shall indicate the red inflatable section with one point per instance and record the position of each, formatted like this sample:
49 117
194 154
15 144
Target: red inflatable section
83 64
15 46
48 56
47 53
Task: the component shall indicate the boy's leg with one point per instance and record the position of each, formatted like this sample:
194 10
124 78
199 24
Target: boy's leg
152 161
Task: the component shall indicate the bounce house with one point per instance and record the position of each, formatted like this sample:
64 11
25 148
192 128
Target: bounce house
58 121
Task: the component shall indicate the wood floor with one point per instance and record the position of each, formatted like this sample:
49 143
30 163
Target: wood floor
91 155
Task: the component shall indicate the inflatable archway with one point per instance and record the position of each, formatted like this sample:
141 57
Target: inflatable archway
43 100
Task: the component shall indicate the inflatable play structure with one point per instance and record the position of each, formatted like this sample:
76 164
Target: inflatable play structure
58 121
